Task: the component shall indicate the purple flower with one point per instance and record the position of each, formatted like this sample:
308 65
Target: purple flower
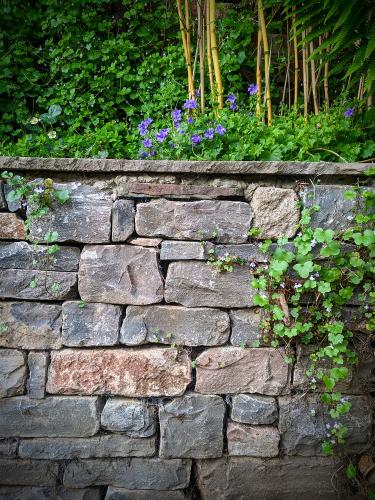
349 112
233 107
253 89
147 143
190 104
231 98
177 117
190 120
209 134
197 92
143 154
195 139
143 126
181 131
151 153
162 134
220 129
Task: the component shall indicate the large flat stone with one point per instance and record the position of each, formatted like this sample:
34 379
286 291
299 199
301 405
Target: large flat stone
85 217
174 324
50 417
227 221
45 285
252 440
120 274
223 370
30 325
12 373
130 416
133 474
3 203
290 478
124 494
197 284
36 385
11 227
248 251
123 213
185 250
192 427
53 493
103 446
124 372
245 326
28 472
181 190
91 325
22 255
254 409
8 447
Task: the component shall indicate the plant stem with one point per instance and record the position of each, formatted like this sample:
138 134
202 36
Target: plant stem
259 74
262 25
215 54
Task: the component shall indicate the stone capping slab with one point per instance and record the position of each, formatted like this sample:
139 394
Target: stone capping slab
182 167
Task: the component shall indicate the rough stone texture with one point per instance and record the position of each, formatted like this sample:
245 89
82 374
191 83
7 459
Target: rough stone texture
146 242
195 284
30 325
174 324
133 474
290 478
248 251
125 372
222 370
11 227
304 422
36 385
192 427
130 416
28 472
8 447
185 250
228 221
123 213
12 373
182 190
3 203
15 284
245 326
91 325
59 493
275 212
120 274
252 441
22 255
254 409
103 446
124 494
50 417
85 217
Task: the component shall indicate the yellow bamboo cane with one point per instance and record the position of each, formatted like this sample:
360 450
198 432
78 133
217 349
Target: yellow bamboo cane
214 52
296 63
209 57
259 74
187 52
201 52
262 24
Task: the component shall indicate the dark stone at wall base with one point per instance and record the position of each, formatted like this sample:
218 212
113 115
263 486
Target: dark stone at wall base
28 472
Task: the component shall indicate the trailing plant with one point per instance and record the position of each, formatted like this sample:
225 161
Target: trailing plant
224 263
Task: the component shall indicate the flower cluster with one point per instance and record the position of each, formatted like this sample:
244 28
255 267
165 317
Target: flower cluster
349 112
190 104
232 102
143 126
253 89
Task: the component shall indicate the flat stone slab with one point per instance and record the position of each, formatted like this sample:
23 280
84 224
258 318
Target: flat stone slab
252 440
123 213
90 324
124 372
50 417
28 472
174 325
11 227
30 325
129 416
8 447
195 284
246 326
192 427
12 373
120 274
248 251
36 385
254 409
185 250
124 494
48 493
145 242
133 474
227 221
231 370
182 190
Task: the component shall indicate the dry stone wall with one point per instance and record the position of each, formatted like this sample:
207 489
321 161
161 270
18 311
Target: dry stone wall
135 377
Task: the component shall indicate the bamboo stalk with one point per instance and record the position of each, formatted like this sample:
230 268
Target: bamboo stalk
296 63
259 74
188 46
209 57
184 22
200 44
262 24
304 76
287 72
326 88
313 80
214 52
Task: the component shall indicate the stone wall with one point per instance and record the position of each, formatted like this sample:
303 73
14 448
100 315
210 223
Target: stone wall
126 369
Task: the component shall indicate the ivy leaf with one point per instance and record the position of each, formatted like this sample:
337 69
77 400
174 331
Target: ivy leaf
332 248
328 382
327 448
324 287
61 195
304 269
323 235
351 471
339 373
260 300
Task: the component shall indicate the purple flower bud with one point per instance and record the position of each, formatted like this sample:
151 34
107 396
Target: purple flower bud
177 117
349 112
197 92
233 107
147 143
195 139
253 89
162 134
209 134
220 130
190 104
231 98
190 120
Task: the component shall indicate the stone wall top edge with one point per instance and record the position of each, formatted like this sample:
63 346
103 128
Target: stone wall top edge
282 168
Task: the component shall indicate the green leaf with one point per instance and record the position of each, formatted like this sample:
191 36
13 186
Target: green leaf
260 300
304 269
351 471
328 382
51 237
327 448
330 249
323 235
54 110
61 195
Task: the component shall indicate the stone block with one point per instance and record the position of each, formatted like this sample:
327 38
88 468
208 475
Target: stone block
130 416
12 373
91 325
37 285
8 447
124 494
23 255
50 417
46 493
30 325
185 250
254 409
252 440
120 274
11 227
227 221
245 325
231 370
198 284
174 324
145 242
182 190
28 472
276 213
124 372
102 446
3 203
192 427
85 217
248 251
123 213
133 473
36 385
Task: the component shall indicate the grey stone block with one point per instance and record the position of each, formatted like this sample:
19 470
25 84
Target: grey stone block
3 203
92 325
192 427
123 213
174 325
12 373
28 472
254 409
133 473
185 250
245 325
130 416
53 417
252 440
30 325
124 494
52 493
36 385
8 447
248 251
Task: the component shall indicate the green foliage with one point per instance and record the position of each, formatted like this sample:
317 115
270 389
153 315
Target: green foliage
224 263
